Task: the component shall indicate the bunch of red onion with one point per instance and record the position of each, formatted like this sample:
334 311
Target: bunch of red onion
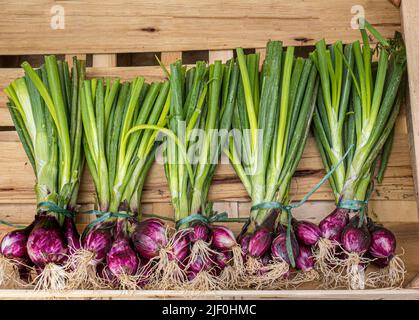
44 245
107 256
194 258
344 248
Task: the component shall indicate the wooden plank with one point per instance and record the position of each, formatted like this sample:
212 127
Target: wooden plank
223 55
378 294
170 57
410 18
176 25
69 58
104 60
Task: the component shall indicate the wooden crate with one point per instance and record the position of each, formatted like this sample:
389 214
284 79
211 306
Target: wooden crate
171 28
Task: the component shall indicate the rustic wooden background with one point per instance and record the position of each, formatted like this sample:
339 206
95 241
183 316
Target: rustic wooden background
120 39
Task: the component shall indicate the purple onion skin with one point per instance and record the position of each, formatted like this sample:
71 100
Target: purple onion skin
198 265
356 239
46 243
305 259
192 275
279 247
199 231
72 235
13 245
99 241
383 243
244 243
266 258
149 237
122 259
307 233
332 226
222 259
259 243
381 262
223 238
180 249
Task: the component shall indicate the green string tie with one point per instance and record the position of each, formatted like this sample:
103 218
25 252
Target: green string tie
46 206
103 216
52 207
12 225
288 208
215 217
358 205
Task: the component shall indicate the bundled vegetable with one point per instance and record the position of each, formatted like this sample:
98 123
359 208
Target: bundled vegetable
201 107
121 122
356 111
45 108
271 124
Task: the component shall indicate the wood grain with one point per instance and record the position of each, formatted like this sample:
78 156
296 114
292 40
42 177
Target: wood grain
410 17
97 26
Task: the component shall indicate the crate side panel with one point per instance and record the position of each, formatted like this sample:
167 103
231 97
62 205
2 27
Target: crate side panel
95 26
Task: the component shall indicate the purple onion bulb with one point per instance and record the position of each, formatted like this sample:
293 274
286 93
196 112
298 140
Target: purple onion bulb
332 226
279 247
99 241
149 237
223 238
305 260
383 243
13 245
122 259
260 242
199 231
307 232
71 235
46 243
355 239
180 250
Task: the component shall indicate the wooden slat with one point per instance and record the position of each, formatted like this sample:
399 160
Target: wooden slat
170 57
223 55
97 26
69 58
104 60
307 294
410 17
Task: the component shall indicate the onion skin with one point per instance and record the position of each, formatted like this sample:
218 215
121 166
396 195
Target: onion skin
356 239
305 260
46 243
279 247
99 241
223 238
198 264
122 259
259 243
71 235
180 250
383 243
13 245
333 225
222 259
149 237
199 231
307 233
244 243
